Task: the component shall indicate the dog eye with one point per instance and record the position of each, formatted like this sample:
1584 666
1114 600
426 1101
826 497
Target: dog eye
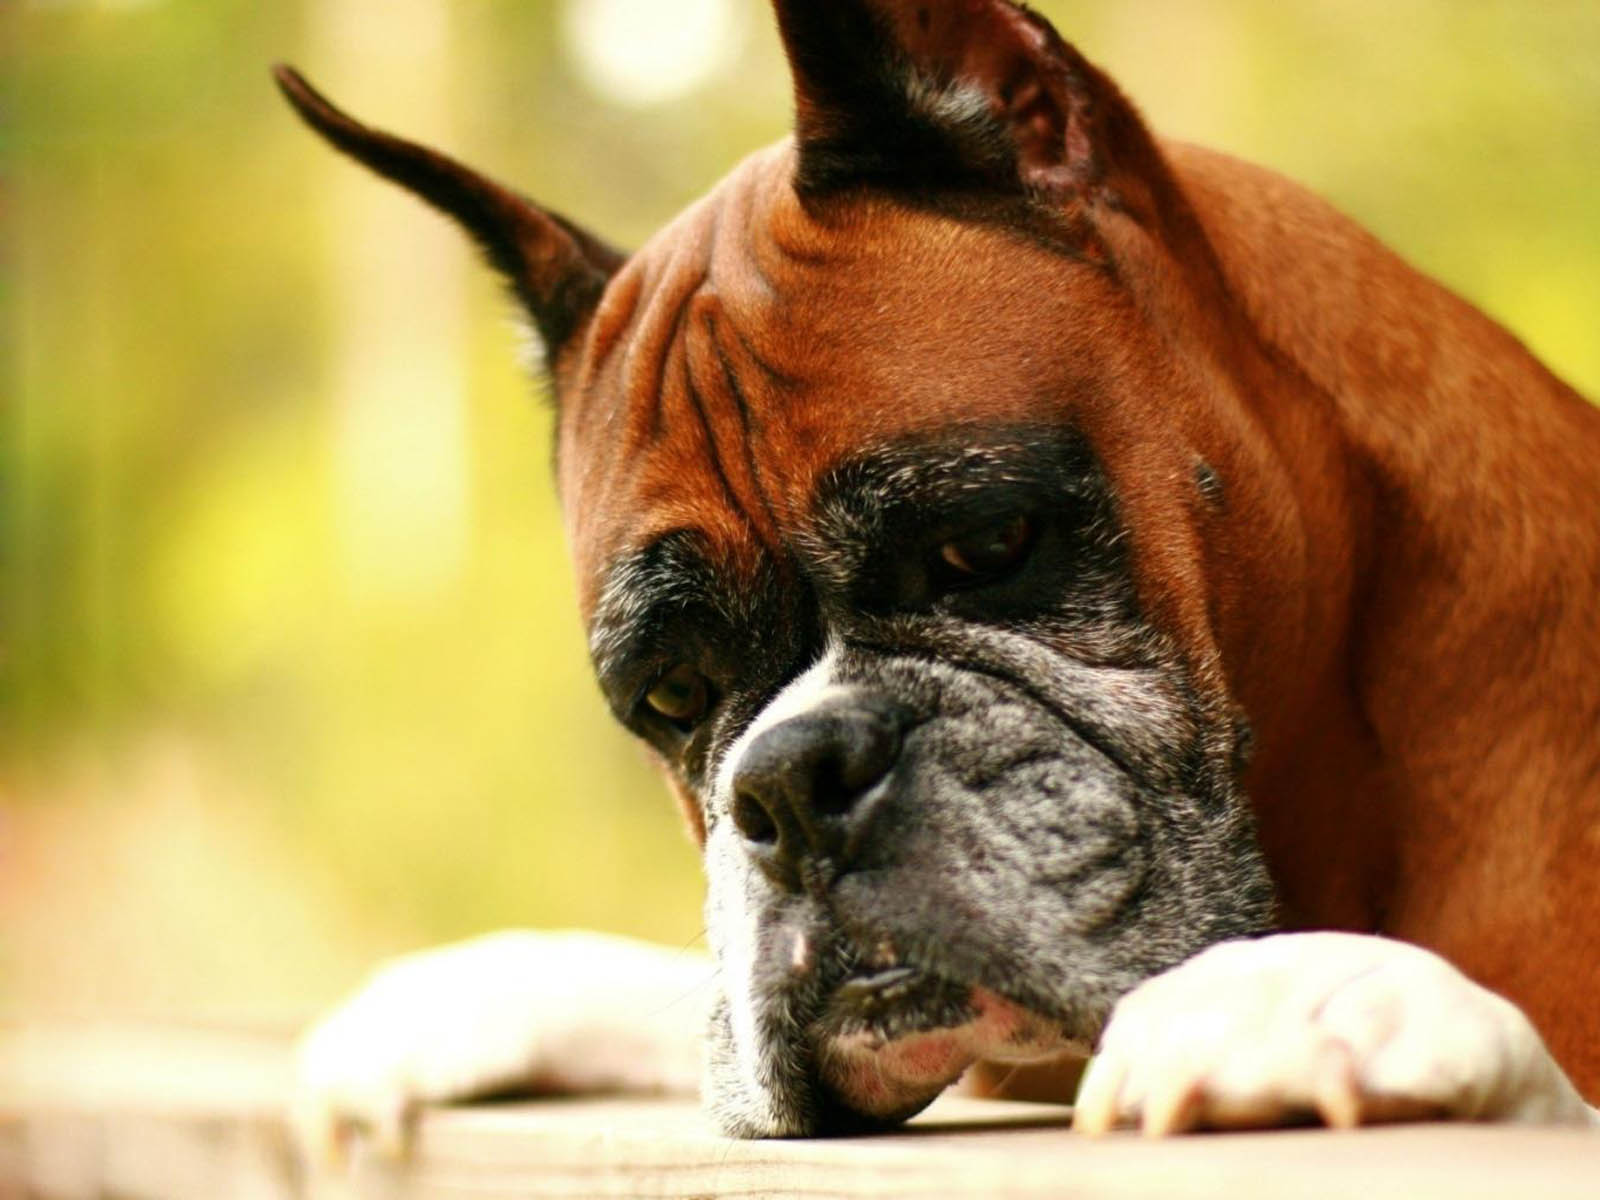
682 696
987 553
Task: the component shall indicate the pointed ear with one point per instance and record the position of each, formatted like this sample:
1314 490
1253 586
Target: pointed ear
947 92
556 269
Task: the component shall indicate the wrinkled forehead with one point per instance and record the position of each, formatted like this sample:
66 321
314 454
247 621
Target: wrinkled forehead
759 341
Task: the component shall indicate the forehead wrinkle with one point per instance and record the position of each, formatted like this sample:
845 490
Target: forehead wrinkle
752 304
649 352
750 417
667 454
703 403
771 253
714 427
781 381
618 305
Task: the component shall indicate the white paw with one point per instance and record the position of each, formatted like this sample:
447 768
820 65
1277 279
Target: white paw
1347 1027
556 1013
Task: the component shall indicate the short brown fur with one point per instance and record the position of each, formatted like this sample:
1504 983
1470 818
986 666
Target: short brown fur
1392 569
1398 588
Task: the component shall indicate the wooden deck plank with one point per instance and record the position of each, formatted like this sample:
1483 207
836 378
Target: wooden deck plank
179 1114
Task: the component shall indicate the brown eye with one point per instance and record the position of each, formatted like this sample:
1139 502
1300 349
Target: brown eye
681 696
989 552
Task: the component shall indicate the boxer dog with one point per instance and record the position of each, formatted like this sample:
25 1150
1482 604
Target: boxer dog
1065 576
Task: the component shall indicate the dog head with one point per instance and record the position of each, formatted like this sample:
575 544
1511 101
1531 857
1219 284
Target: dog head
911 539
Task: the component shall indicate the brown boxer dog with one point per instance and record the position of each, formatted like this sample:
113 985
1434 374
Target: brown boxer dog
1036 553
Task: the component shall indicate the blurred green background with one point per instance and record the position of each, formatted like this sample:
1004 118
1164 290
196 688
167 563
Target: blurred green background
290 674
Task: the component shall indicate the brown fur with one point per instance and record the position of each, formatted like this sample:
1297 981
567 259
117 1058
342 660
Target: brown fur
1397 580
1398 584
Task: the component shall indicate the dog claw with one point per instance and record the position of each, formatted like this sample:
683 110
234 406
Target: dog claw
1095 1112
323 1133
1172 1108
392 1129
1334 1087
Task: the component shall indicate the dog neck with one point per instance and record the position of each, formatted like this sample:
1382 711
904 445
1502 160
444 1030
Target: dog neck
1467 497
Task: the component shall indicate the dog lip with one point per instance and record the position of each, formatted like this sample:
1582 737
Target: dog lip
882 985
890 1003
885 1069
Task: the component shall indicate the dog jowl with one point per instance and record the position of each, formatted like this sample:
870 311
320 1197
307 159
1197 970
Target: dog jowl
957 795
933 530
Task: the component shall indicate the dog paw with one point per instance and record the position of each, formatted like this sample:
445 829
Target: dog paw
1350 1028
545 1013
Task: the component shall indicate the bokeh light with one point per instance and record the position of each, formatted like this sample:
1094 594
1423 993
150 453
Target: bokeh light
641 52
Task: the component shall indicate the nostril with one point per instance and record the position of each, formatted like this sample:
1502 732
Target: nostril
865 747
832 793
752 819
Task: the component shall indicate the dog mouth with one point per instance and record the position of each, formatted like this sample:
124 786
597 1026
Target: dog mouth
890 1039
884 1005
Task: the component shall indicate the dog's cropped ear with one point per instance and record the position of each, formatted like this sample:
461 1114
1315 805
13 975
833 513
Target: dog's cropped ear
935 93
556 269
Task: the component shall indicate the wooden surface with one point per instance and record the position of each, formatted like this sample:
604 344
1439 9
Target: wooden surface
180 1114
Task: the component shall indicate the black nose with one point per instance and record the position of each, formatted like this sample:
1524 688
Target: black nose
801 789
